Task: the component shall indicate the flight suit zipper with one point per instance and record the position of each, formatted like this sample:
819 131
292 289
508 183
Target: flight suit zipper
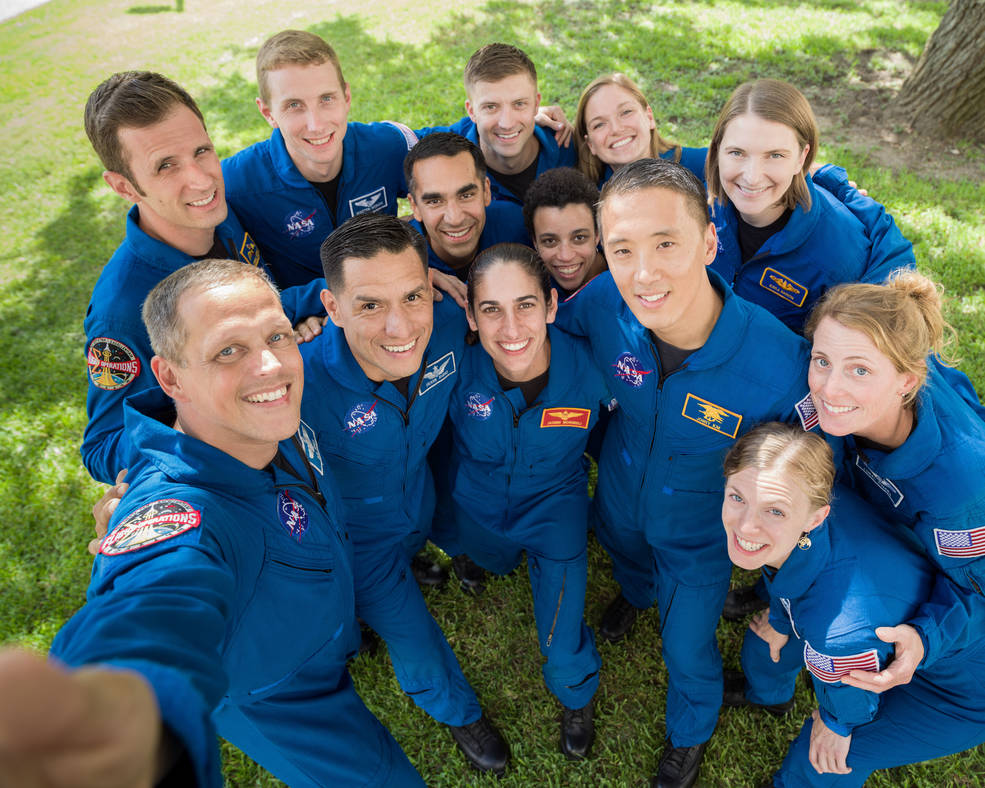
557 611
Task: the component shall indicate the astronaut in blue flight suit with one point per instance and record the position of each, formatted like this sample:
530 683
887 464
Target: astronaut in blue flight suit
378 386
502 102
692 366
783 241
834 572
165 230
927 476
317 169
225 580
453 210
523 404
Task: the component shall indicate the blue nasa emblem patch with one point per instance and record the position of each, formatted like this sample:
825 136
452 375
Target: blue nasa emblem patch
300 223
310 445
292 515
629 369
437 371
361 418
478 406
371 201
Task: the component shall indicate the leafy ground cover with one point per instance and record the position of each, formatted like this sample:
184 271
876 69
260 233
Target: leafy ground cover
61 223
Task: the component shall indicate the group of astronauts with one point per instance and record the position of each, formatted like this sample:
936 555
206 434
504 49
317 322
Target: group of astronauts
301 390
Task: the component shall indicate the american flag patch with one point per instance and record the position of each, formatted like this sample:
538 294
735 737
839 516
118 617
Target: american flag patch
960 544
807 412
833 669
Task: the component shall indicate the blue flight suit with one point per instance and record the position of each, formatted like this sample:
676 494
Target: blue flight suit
692 159
815 250
288 217
657 508
519 483
504 224
230 590
859 574
118 350
550 154
933 486
375 441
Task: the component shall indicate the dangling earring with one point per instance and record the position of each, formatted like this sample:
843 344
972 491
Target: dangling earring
804 543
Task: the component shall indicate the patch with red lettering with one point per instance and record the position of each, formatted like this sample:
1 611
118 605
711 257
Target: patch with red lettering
152 523
565 417
112 365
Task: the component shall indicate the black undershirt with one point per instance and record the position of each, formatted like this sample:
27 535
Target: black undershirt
751 239
219 251
330 192
517 182
402 385
671 357
531 389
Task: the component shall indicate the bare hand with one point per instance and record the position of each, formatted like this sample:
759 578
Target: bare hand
309 328
553 117
452 285
761 626
89 727
909 654
102 510
829 750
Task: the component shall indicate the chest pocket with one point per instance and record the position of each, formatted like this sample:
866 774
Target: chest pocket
298 613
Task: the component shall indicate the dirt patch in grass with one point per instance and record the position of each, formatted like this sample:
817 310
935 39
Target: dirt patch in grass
858 112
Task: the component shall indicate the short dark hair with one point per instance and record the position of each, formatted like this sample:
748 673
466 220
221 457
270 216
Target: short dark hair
442 143
659 174
497 61
130 99
521 255
365 236
558 188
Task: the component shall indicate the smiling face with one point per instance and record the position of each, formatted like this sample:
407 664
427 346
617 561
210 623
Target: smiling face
177 181
856 389
503 113
385 309
567 242
449 199
619 129
757 161
764 513
310 106
511 316
238 385
657 254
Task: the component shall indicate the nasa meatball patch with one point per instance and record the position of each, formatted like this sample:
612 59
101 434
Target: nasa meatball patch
629 369
478 406
292 515
112 365
152 523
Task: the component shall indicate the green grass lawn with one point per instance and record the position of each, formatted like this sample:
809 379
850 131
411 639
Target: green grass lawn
61 223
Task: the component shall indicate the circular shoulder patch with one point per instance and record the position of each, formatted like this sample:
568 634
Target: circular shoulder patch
112 365
152 523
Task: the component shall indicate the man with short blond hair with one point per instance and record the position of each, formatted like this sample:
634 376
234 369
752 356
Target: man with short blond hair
317 168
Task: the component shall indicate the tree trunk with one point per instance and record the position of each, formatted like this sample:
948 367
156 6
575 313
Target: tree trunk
945 94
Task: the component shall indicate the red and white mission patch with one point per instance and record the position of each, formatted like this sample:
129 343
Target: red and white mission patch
112 365
151 523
